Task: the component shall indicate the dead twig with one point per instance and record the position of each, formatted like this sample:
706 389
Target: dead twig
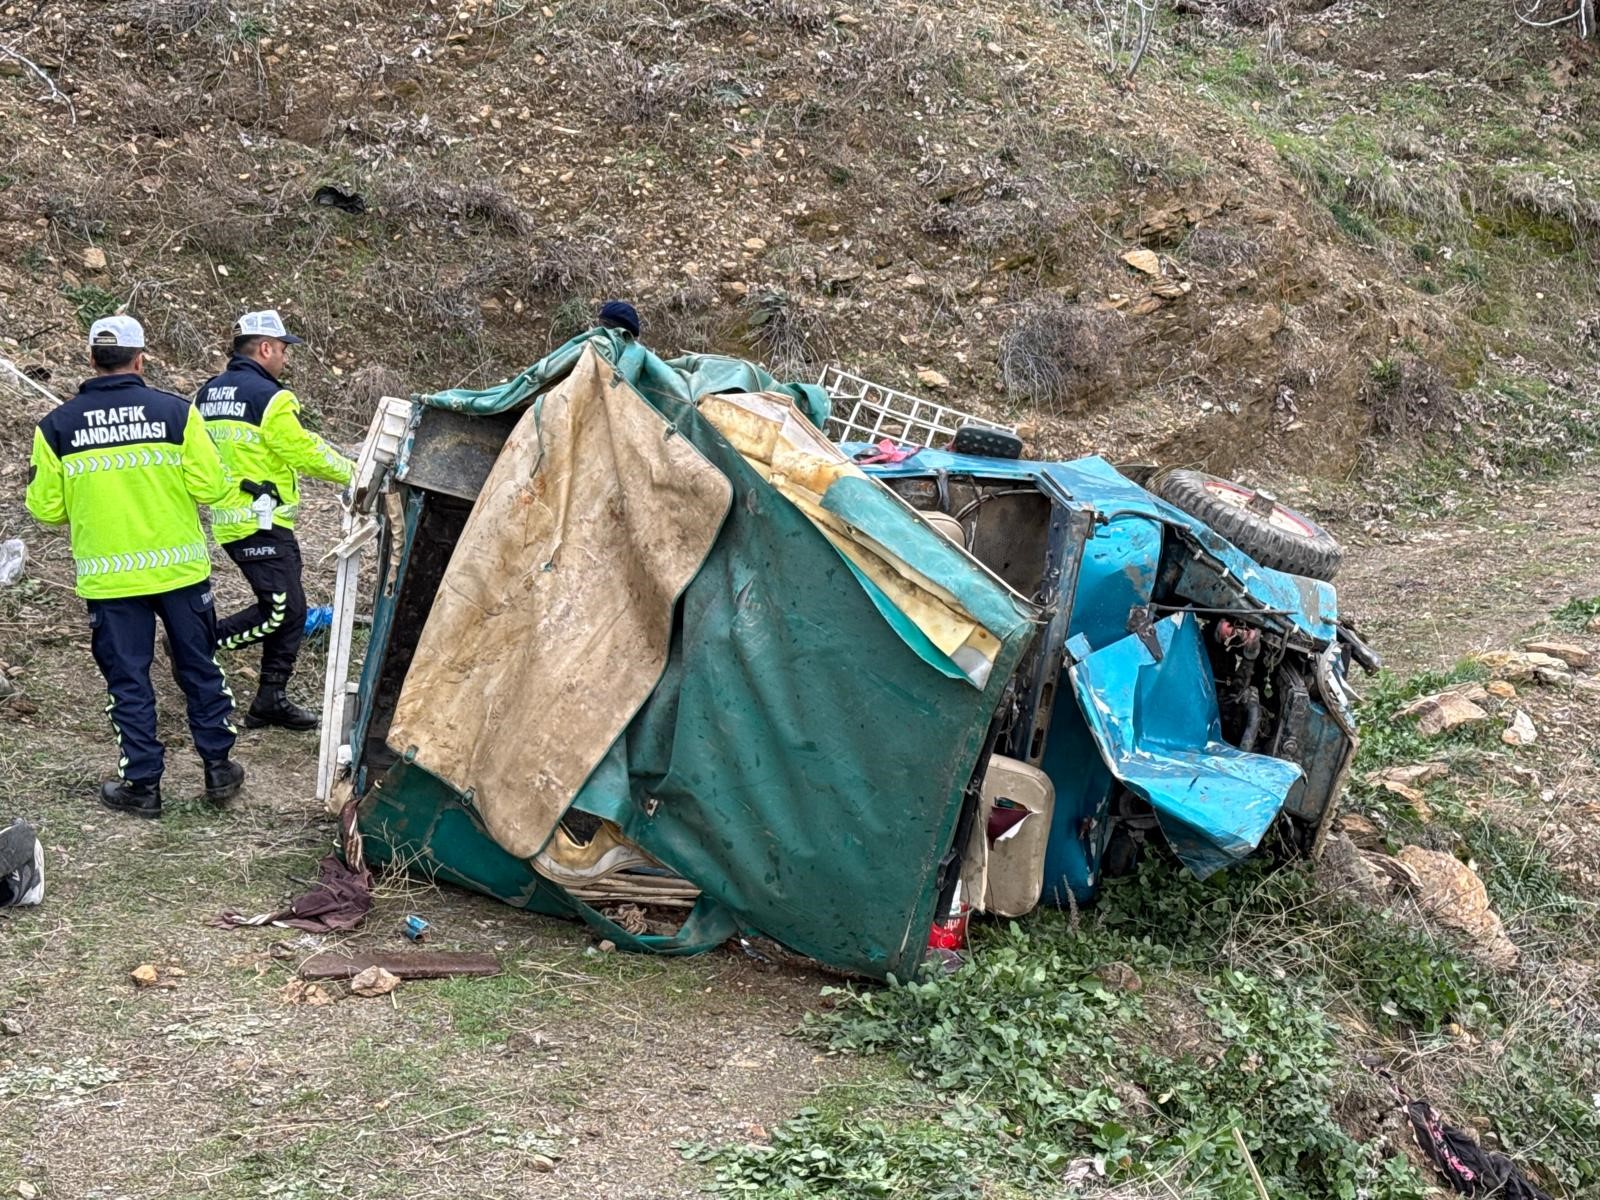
43 77
1250 1164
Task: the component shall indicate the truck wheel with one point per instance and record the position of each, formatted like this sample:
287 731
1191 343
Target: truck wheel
1255 522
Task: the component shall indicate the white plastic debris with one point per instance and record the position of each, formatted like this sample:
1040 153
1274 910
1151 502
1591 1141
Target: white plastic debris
13 560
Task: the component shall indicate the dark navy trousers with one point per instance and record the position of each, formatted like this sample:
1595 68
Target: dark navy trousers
123 636
270 560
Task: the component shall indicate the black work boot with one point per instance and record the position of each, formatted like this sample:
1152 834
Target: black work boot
272 707
223 781
140 799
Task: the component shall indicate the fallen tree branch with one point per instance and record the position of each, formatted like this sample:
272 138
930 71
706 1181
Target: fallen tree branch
39 73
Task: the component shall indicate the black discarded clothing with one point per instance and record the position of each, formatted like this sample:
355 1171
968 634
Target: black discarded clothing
270 561
331 197
123 638
21 865
1468 1167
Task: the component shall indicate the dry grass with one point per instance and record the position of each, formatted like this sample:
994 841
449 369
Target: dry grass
689 319
1410 395
426 199
1252 12
1224 249
161 19
793 341
1557 197
1058 354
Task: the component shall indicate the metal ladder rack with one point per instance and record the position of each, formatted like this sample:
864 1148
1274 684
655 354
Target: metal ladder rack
864 411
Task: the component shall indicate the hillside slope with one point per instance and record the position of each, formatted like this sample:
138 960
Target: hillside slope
898 186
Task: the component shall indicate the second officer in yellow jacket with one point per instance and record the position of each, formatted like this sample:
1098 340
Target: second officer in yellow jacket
255 422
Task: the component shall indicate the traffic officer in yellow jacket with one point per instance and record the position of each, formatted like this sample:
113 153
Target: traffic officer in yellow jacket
127 467
255 422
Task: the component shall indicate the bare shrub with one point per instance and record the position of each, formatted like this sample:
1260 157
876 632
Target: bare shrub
1251 12
803 16
1002 214
688 319
1409 395
1222 249
792 341
1059 353
444 312
1126 27
648 91
349 410
580 268
565 265
415 197
81 210
173 18
180 336
224 234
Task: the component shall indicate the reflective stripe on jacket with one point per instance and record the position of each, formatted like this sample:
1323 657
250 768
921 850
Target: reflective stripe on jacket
255 424
126 467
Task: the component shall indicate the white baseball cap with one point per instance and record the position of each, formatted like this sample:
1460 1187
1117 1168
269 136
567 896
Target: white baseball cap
120 330
266 323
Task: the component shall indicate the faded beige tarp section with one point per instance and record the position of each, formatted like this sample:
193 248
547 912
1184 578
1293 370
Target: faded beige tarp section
802 464
553 620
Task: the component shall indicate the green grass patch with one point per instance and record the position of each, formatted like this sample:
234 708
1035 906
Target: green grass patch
90 303
1387 740
1576 613
1025 1065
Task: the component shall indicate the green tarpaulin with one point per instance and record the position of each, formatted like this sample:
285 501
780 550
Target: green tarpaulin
801 761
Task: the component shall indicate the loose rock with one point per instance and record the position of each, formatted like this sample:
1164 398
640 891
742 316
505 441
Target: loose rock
1501 690
1344 870
1415 775
933 379
1362 832
1143 260
1440 713
1521 731
1451 892
374 981
1575 657
1517 666
145 975
94 259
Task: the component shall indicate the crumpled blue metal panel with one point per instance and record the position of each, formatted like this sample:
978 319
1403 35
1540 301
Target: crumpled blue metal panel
1309 606
1155 720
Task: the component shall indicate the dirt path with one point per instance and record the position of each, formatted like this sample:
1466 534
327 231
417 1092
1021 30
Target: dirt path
1428 595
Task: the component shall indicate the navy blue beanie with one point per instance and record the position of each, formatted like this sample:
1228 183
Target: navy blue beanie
619 314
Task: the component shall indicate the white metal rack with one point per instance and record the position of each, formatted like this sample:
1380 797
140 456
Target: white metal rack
864 411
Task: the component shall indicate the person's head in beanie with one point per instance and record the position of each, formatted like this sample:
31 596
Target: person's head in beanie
619 314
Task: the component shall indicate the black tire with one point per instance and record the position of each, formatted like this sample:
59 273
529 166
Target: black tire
1279 538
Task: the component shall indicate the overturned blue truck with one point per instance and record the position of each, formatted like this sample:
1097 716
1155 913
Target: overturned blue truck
651 650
